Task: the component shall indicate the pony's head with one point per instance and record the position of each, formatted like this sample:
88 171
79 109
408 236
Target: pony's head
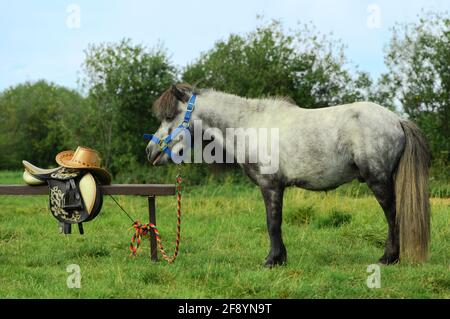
170 108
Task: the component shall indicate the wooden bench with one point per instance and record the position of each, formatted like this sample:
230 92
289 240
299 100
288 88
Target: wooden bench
149 190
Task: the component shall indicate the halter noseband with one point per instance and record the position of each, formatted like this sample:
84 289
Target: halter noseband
164 143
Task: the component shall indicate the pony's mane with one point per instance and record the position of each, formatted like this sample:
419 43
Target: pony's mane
277 98
286 99
165 107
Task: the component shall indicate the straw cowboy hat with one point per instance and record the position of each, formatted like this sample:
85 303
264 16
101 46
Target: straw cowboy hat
84 158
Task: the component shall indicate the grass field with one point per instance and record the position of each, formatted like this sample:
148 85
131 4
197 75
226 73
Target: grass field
331 239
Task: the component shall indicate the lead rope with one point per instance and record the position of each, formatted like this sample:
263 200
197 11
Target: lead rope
144 229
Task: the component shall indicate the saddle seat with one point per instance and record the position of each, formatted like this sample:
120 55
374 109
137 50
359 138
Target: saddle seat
74 194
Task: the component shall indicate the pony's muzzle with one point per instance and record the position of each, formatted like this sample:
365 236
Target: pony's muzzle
153 153
157 158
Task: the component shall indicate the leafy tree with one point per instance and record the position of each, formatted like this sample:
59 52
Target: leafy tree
301 64
34 121
122 81
418 58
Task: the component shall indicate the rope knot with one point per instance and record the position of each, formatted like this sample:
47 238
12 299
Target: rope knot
144 229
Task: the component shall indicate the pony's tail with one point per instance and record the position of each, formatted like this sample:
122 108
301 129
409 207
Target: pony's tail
411 194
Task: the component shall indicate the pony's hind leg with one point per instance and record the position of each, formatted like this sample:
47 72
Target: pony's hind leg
273 199
384 193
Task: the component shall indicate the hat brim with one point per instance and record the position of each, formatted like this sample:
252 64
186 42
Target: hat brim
64 159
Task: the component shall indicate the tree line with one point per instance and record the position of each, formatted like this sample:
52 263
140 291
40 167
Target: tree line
121 80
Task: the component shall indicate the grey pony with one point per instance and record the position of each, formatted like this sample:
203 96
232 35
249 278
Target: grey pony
321 149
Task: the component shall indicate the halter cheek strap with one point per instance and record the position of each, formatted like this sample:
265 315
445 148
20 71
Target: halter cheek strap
164 143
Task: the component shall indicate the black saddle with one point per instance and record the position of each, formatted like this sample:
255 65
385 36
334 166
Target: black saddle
75 194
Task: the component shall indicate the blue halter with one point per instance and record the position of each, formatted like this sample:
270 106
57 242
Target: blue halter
164 143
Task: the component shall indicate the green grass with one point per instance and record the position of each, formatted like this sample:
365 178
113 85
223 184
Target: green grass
331 239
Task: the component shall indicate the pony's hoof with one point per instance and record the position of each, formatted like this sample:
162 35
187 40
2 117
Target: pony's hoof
272 261
388 260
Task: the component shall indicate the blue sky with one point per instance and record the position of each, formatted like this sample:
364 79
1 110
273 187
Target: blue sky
38 39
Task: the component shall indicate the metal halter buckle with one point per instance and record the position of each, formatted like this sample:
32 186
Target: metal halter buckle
162 145
185 124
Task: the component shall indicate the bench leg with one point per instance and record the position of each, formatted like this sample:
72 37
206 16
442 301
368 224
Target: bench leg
152 218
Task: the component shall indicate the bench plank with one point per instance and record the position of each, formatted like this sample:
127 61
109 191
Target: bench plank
139 189
115 189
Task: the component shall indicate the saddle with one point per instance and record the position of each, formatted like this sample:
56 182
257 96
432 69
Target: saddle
74 187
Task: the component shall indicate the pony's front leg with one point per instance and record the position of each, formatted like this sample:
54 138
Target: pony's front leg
273 199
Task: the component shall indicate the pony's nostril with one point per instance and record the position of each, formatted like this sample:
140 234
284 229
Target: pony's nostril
150 153
148 150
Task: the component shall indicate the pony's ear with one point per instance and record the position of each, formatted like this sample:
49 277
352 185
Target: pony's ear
179 94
